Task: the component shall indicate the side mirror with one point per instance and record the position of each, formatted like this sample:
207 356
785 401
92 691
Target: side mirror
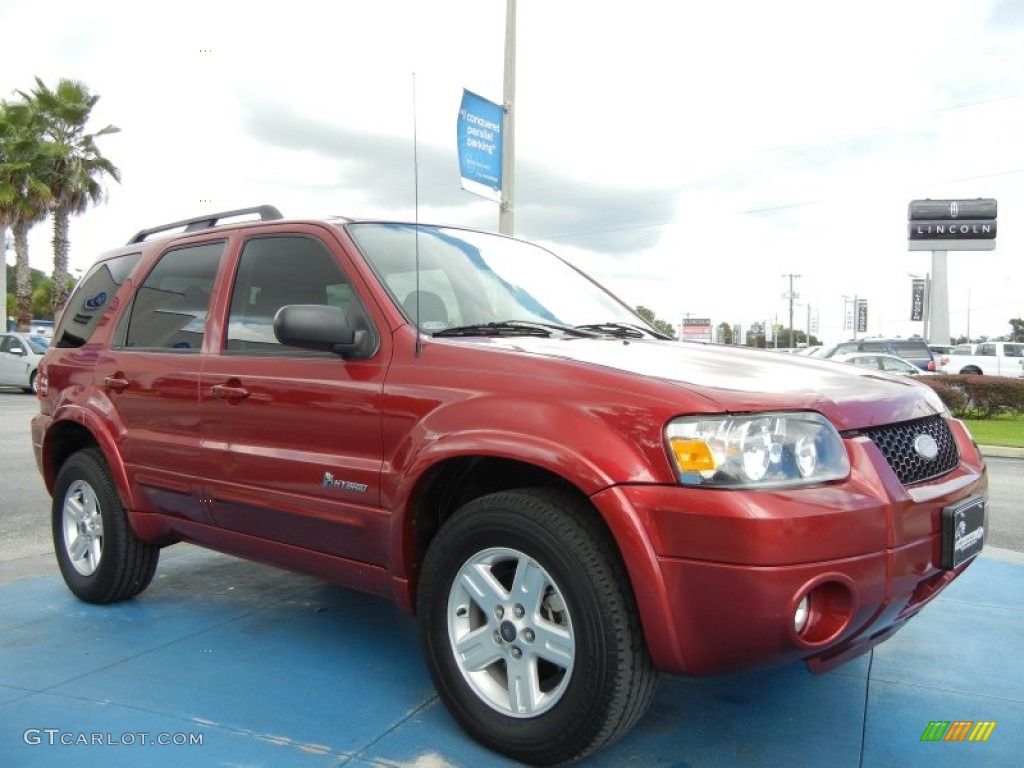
16 349
320 327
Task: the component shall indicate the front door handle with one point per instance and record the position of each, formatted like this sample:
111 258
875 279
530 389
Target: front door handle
230 392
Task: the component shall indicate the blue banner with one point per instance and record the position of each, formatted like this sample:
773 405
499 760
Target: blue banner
479 135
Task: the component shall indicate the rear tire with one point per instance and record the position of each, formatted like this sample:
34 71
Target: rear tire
530 629
31 388
100 557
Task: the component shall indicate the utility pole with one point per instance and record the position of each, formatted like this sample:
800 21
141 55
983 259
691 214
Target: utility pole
791 295
506 224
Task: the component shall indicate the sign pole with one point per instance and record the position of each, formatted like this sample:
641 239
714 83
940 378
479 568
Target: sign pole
506 224
940 226
939 300
927 304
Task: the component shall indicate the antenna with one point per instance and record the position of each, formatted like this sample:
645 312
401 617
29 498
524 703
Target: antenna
416 216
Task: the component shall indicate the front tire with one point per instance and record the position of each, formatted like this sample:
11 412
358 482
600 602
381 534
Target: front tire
100 557
530 629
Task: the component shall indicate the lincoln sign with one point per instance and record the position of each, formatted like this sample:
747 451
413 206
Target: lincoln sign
952 225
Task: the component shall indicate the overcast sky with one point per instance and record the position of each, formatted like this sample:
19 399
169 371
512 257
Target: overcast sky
687 154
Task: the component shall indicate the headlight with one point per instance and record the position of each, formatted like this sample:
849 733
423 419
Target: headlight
756 450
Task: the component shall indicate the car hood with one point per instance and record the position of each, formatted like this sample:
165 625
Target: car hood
738 379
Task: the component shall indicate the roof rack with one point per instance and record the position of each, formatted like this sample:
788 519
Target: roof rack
207 221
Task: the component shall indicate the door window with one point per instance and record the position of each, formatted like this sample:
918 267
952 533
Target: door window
277 271
170 308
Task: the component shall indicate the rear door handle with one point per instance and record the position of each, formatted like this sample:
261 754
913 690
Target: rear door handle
228 392
117 382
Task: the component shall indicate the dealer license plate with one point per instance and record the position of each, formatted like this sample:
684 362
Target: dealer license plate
963 531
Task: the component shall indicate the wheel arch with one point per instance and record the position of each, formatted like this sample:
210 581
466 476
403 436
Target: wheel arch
455 481
75 431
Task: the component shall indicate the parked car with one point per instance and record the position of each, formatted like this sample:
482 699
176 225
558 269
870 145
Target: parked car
990 358
914 350
464 423
20 355
881 362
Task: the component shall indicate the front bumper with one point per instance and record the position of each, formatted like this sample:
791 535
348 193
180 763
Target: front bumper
732 565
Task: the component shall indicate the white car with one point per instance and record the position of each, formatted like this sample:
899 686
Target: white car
882 362
20 354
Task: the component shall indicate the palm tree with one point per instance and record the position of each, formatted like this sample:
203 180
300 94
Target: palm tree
76 164
24 196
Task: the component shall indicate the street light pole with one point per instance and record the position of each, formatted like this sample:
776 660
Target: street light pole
791 296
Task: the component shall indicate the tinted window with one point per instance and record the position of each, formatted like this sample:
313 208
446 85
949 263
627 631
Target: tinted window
874 346
91 299
170 307
911 349
274 272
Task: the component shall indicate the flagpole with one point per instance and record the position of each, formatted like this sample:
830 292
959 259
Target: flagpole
506 224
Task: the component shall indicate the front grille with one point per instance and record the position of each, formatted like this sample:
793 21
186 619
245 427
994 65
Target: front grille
896 442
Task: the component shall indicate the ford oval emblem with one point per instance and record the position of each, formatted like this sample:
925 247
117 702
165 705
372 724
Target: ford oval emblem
926 447
97 301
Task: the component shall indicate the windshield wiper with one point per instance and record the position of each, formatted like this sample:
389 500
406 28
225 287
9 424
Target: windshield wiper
623 330
513 328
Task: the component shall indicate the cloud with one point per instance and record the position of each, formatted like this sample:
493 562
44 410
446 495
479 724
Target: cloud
609 218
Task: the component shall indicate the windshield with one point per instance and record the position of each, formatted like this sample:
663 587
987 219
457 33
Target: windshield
38 344
474 278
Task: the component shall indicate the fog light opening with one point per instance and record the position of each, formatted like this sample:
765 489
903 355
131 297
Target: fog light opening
801 614
823 611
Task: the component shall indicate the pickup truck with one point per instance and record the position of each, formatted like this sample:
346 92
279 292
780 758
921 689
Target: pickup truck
992 358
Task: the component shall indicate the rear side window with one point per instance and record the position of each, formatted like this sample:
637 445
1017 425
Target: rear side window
170 307
911 349
91 299
274 272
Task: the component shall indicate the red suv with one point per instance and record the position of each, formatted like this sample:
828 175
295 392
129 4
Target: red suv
468 425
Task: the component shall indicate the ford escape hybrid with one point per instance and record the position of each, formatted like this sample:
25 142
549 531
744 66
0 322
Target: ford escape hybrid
467 425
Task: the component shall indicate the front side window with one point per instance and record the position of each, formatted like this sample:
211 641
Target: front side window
91 299
866 362
895 365
277 271
170 307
